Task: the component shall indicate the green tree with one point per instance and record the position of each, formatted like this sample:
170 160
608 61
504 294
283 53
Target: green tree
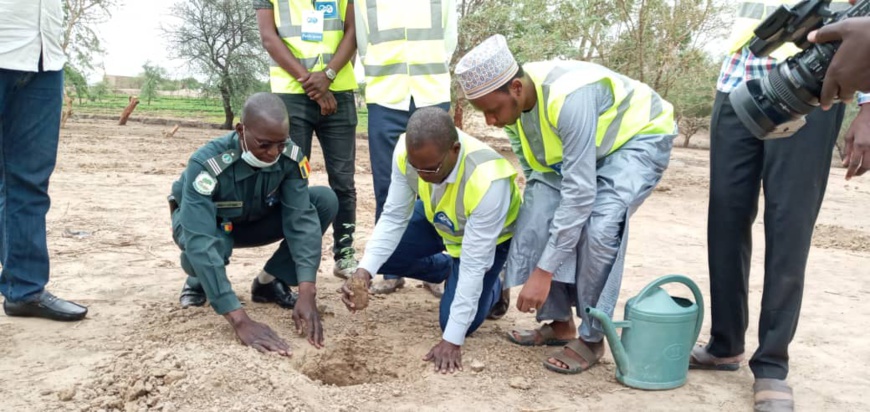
220 40
190 83
655 41
75 83
99 91
80 41
152 76
535 30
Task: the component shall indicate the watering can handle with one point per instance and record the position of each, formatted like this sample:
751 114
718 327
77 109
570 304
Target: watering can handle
699 299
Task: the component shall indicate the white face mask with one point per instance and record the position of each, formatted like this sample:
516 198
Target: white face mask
252 160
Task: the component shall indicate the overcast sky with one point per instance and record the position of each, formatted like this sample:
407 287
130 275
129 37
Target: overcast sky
133 36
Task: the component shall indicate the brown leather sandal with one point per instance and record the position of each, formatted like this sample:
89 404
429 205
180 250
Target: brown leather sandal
773 395
530 337
574 366
703 360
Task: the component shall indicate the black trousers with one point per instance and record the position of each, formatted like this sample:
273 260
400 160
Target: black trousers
337 136
794 173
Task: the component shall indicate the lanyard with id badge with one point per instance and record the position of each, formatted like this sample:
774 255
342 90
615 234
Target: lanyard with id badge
312 24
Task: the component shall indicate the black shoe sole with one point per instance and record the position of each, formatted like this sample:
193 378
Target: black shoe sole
192 304
261 299
50 316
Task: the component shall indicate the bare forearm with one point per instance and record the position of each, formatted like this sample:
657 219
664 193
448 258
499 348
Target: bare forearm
347 46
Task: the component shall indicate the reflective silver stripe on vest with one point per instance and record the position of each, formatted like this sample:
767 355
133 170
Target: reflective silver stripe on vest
655 107
610 135
288 29
404 68
612 131
756 10
472 161
377 36
310 62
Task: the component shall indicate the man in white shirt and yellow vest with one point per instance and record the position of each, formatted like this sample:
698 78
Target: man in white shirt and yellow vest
31 95
596 143
469 202
405 47
794 174
311 43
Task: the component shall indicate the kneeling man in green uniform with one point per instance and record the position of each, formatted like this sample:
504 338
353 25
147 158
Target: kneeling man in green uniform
250 188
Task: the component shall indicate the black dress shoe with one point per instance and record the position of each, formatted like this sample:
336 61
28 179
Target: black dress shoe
191 296
275 291
501 307
45 305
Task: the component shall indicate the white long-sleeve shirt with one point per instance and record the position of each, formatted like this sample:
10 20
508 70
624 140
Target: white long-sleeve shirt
29 29
478 244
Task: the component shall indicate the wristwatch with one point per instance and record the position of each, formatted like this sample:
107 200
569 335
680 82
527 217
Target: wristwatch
330 74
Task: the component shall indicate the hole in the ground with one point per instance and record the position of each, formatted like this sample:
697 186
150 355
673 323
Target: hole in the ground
349 363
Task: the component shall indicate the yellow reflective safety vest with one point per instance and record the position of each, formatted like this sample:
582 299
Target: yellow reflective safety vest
636 110
405 51
751 13
479 166
314 55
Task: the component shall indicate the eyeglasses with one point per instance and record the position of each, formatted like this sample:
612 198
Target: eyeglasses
265 145
429 171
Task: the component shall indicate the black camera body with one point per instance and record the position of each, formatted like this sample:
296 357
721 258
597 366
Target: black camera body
775 106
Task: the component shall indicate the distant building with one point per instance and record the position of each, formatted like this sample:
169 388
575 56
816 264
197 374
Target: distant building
122 82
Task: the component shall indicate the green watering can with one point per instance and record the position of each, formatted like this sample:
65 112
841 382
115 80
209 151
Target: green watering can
658 334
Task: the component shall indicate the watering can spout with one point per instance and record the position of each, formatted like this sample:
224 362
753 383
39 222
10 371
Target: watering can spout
613 340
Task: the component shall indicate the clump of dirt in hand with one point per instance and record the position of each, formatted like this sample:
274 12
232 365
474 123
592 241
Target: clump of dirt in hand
360 290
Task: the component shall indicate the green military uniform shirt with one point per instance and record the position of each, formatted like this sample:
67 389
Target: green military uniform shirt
217 189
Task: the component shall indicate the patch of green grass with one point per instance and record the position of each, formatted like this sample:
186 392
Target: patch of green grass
188 108
362 115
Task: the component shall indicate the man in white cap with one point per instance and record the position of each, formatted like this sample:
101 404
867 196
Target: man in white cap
593 144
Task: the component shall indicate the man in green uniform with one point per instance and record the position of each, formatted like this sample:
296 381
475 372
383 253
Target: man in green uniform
250 188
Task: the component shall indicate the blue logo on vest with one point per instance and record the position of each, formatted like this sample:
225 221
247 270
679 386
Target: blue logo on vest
329 9
441 221
557 168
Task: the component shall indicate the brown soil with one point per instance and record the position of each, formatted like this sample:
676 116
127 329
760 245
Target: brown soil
139 351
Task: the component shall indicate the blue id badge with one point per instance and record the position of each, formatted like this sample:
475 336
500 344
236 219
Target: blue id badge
312 25
328 7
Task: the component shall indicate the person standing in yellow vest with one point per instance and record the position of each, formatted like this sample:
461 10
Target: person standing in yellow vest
311 43
405 47
469 202
594 144
794 174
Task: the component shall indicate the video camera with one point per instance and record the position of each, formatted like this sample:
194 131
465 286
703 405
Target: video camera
775 105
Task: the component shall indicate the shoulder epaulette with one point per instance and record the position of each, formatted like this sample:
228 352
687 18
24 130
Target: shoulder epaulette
216 165
293 151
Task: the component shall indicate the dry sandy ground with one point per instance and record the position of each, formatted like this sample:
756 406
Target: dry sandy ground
138 350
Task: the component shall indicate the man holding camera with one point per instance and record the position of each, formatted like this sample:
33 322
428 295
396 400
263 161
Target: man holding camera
794 173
